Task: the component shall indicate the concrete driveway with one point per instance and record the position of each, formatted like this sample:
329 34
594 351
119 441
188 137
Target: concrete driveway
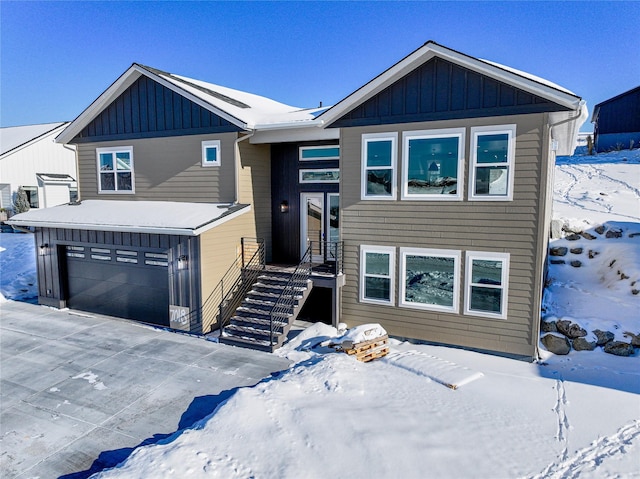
79 392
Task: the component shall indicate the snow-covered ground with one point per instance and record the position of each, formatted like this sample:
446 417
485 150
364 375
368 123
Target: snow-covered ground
562 417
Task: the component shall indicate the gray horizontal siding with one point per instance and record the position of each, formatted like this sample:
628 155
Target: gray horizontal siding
166 169
512 227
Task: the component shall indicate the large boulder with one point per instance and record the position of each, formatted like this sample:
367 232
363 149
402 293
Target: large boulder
582 344
618 348
603 337
556 344
570 330
548 326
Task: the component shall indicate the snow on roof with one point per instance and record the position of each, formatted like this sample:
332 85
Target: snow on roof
14 136
55 177
529 76
160 217
249 108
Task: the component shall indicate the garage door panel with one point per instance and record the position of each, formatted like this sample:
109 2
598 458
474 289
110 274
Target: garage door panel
125 290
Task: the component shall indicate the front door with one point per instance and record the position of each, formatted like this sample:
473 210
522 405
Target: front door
312 224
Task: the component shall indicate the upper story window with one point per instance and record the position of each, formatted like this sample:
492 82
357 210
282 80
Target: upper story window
432 164
486 279
211 153
492 158
313 153
115 170
379 166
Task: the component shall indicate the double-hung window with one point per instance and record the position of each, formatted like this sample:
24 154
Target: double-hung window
432 164
115 170
492 158
211 153
430 279
379 166
486 284
377 274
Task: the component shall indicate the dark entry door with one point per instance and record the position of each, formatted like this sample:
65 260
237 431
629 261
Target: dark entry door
115 285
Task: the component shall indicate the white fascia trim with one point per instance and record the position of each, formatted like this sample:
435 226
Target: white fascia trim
134 229
426 53
294 134
289 125
204 104
119 86
122 83
18 148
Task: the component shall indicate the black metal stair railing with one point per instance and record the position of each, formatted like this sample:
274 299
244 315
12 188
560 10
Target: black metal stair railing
327 255
220 305
287 300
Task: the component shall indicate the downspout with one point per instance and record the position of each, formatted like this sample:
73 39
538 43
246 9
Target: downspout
74 148
579 112
236 159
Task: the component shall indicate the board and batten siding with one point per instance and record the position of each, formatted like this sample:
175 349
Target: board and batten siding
489 226
219 248
165 169
255 188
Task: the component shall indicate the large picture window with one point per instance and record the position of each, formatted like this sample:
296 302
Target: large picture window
486 282
430 279
115 170
379 166
377 274
432 164
492 158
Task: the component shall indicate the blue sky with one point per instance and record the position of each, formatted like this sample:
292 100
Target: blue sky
57 57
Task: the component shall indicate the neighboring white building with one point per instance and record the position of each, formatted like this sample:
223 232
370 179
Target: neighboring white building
30 158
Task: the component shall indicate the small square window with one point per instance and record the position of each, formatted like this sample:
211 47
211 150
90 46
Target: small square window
492 163
377 274
211 153
487 276
379 166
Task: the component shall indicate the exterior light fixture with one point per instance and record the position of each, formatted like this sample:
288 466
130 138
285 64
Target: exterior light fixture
183 262
284 206
44 249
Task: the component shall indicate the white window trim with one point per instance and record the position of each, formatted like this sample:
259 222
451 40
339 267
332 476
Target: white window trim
487 256
391 251
205 146
318 170
426 134
511 156
444 253
393 137
114 150
320 147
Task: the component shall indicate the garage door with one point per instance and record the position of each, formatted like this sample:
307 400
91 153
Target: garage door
118 282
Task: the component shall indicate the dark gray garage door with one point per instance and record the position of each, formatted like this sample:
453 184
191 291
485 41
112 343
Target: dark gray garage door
118 282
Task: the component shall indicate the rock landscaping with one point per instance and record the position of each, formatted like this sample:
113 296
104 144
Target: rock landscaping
560 335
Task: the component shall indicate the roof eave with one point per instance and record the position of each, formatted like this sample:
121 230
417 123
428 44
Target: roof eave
426 53
125 80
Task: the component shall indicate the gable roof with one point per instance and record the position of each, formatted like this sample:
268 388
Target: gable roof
244 110
524 81
15 137
596 109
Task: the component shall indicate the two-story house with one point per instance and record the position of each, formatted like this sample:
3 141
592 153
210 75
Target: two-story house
422 202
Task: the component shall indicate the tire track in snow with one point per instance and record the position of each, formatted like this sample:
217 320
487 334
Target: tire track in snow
586 460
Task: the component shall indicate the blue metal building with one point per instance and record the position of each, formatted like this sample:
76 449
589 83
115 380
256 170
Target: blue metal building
616 122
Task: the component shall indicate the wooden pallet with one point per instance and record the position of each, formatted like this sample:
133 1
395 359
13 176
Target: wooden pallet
368 350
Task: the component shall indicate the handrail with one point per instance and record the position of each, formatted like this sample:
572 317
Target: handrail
287 299
331 253
216 309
